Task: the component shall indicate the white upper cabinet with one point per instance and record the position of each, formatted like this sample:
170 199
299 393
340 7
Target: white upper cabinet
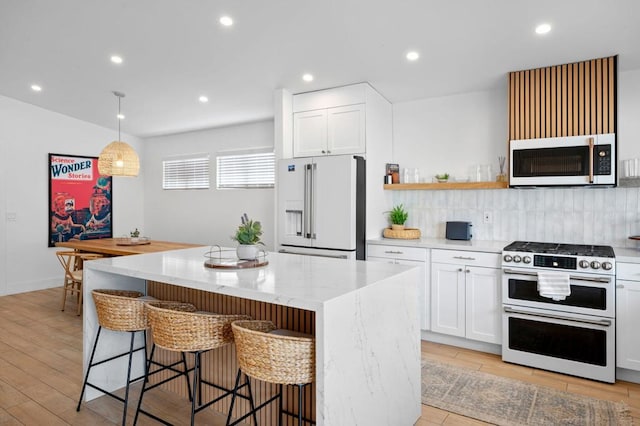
330 122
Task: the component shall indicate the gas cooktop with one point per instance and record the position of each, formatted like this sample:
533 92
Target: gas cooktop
584 250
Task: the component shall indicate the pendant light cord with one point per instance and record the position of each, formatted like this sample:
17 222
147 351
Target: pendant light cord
119 120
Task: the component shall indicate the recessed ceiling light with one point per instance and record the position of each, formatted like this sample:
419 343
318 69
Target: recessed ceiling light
307 77
226 21
413 55
36 88
203 99
543 28
116 59
120 116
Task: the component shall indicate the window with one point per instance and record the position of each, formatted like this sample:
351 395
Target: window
252 170
190 172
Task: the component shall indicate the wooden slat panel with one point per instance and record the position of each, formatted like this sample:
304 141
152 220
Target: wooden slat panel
599 109
517 106
537 103
527 125
563 79
576 105
612 94
564 100
554 102
220 366
569 79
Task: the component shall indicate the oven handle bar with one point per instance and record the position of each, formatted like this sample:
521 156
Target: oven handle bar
603 322
533 274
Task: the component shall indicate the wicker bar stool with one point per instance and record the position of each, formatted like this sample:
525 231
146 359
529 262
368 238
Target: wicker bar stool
123 310
283 357
192 332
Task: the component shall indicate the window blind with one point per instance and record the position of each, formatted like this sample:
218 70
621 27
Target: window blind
186 173
255 170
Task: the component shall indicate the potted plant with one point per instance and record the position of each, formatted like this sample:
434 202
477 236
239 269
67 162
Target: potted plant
398 216
444 177
134 235
248 237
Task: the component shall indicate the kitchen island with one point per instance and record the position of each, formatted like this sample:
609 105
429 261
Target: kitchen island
364 316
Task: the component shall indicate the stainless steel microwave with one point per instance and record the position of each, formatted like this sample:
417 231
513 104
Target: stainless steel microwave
563 161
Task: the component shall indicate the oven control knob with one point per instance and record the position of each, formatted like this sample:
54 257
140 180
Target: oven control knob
507 258
584 264
517 258
526 259
607 266
595 264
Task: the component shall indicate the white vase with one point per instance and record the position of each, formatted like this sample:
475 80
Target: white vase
247 251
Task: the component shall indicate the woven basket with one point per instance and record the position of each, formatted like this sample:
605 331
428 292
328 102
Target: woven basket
120 310
182 331
404 234
274 358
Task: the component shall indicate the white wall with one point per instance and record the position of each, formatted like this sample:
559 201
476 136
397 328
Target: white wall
205 216
450 134
28 134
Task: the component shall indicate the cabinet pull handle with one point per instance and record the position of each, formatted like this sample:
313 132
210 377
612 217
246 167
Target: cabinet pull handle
393 252
323 151
620 286
467 271
464 257
459 269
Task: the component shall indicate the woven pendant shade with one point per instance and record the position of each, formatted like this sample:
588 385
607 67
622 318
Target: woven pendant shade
118 159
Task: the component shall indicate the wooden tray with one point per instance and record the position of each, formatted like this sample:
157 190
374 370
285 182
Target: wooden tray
634 237
403 234
235 264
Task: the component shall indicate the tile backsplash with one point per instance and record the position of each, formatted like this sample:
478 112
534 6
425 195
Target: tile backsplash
563 215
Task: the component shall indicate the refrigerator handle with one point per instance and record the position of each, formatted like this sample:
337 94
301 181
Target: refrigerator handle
312 214
306 220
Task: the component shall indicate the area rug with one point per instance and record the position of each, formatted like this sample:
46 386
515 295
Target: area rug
504 401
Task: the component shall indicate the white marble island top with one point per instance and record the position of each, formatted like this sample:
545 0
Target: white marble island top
304 282
366 324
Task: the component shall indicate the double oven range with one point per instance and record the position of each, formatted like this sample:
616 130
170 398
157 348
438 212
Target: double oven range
573 336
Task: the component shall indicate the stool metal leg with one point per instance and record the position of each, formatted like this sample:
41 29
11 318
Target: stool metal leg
126 392
280 405
233 397
86 376
186 375
196 386
300 405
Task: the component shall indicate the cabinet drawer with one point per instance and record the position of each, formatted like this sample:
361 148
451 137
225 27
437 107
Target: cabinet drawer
397 252
471 258
628 271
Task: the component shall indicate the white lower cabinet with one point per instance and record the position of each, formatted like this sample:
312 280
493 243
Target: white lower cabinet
465 294
413 256
628 315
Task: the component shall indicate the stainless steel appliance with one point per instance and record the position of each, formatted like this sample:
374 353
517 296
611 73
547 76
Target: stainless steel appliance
564 161
321 206
573 336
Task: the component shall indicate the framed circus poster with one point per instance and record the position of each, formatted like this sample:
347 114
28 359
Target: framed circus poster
80 200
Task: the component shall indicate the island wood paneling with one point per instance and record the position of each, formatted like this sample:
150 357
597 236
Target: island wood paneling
220 366
564 100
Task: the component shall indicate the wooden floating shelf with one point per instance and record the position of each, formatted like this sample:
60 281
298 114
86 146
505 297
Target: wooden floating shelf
447 185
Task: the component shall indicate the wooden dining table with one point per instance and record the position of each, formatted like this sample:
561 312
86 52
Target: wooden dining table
122 246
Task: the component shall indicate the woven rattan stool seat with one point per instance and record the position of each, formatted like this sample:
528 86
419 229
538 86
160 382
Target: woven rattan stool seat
274 357
189 331
193 332
120 310
283 357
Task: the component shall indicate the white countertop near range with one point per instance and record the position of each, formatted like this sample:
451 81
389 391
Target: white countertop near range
488 246
625 254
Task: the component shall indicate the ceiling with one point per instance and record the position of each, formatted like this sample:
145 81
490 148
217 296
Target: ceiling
175 51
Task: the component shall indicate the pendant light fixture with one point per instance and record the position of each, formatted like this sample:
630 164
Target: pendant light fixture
118 158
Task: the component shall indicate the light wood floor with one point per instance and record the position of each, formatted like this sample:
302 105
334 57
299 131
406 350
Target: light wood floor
41 367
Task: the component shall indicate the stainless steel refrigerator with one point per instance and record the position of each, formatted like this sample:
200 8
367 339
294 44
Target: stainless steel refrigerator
321 206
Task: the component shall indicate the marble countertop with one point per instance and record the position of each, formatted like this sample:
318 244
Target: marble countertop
488 246
623 254
304 282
